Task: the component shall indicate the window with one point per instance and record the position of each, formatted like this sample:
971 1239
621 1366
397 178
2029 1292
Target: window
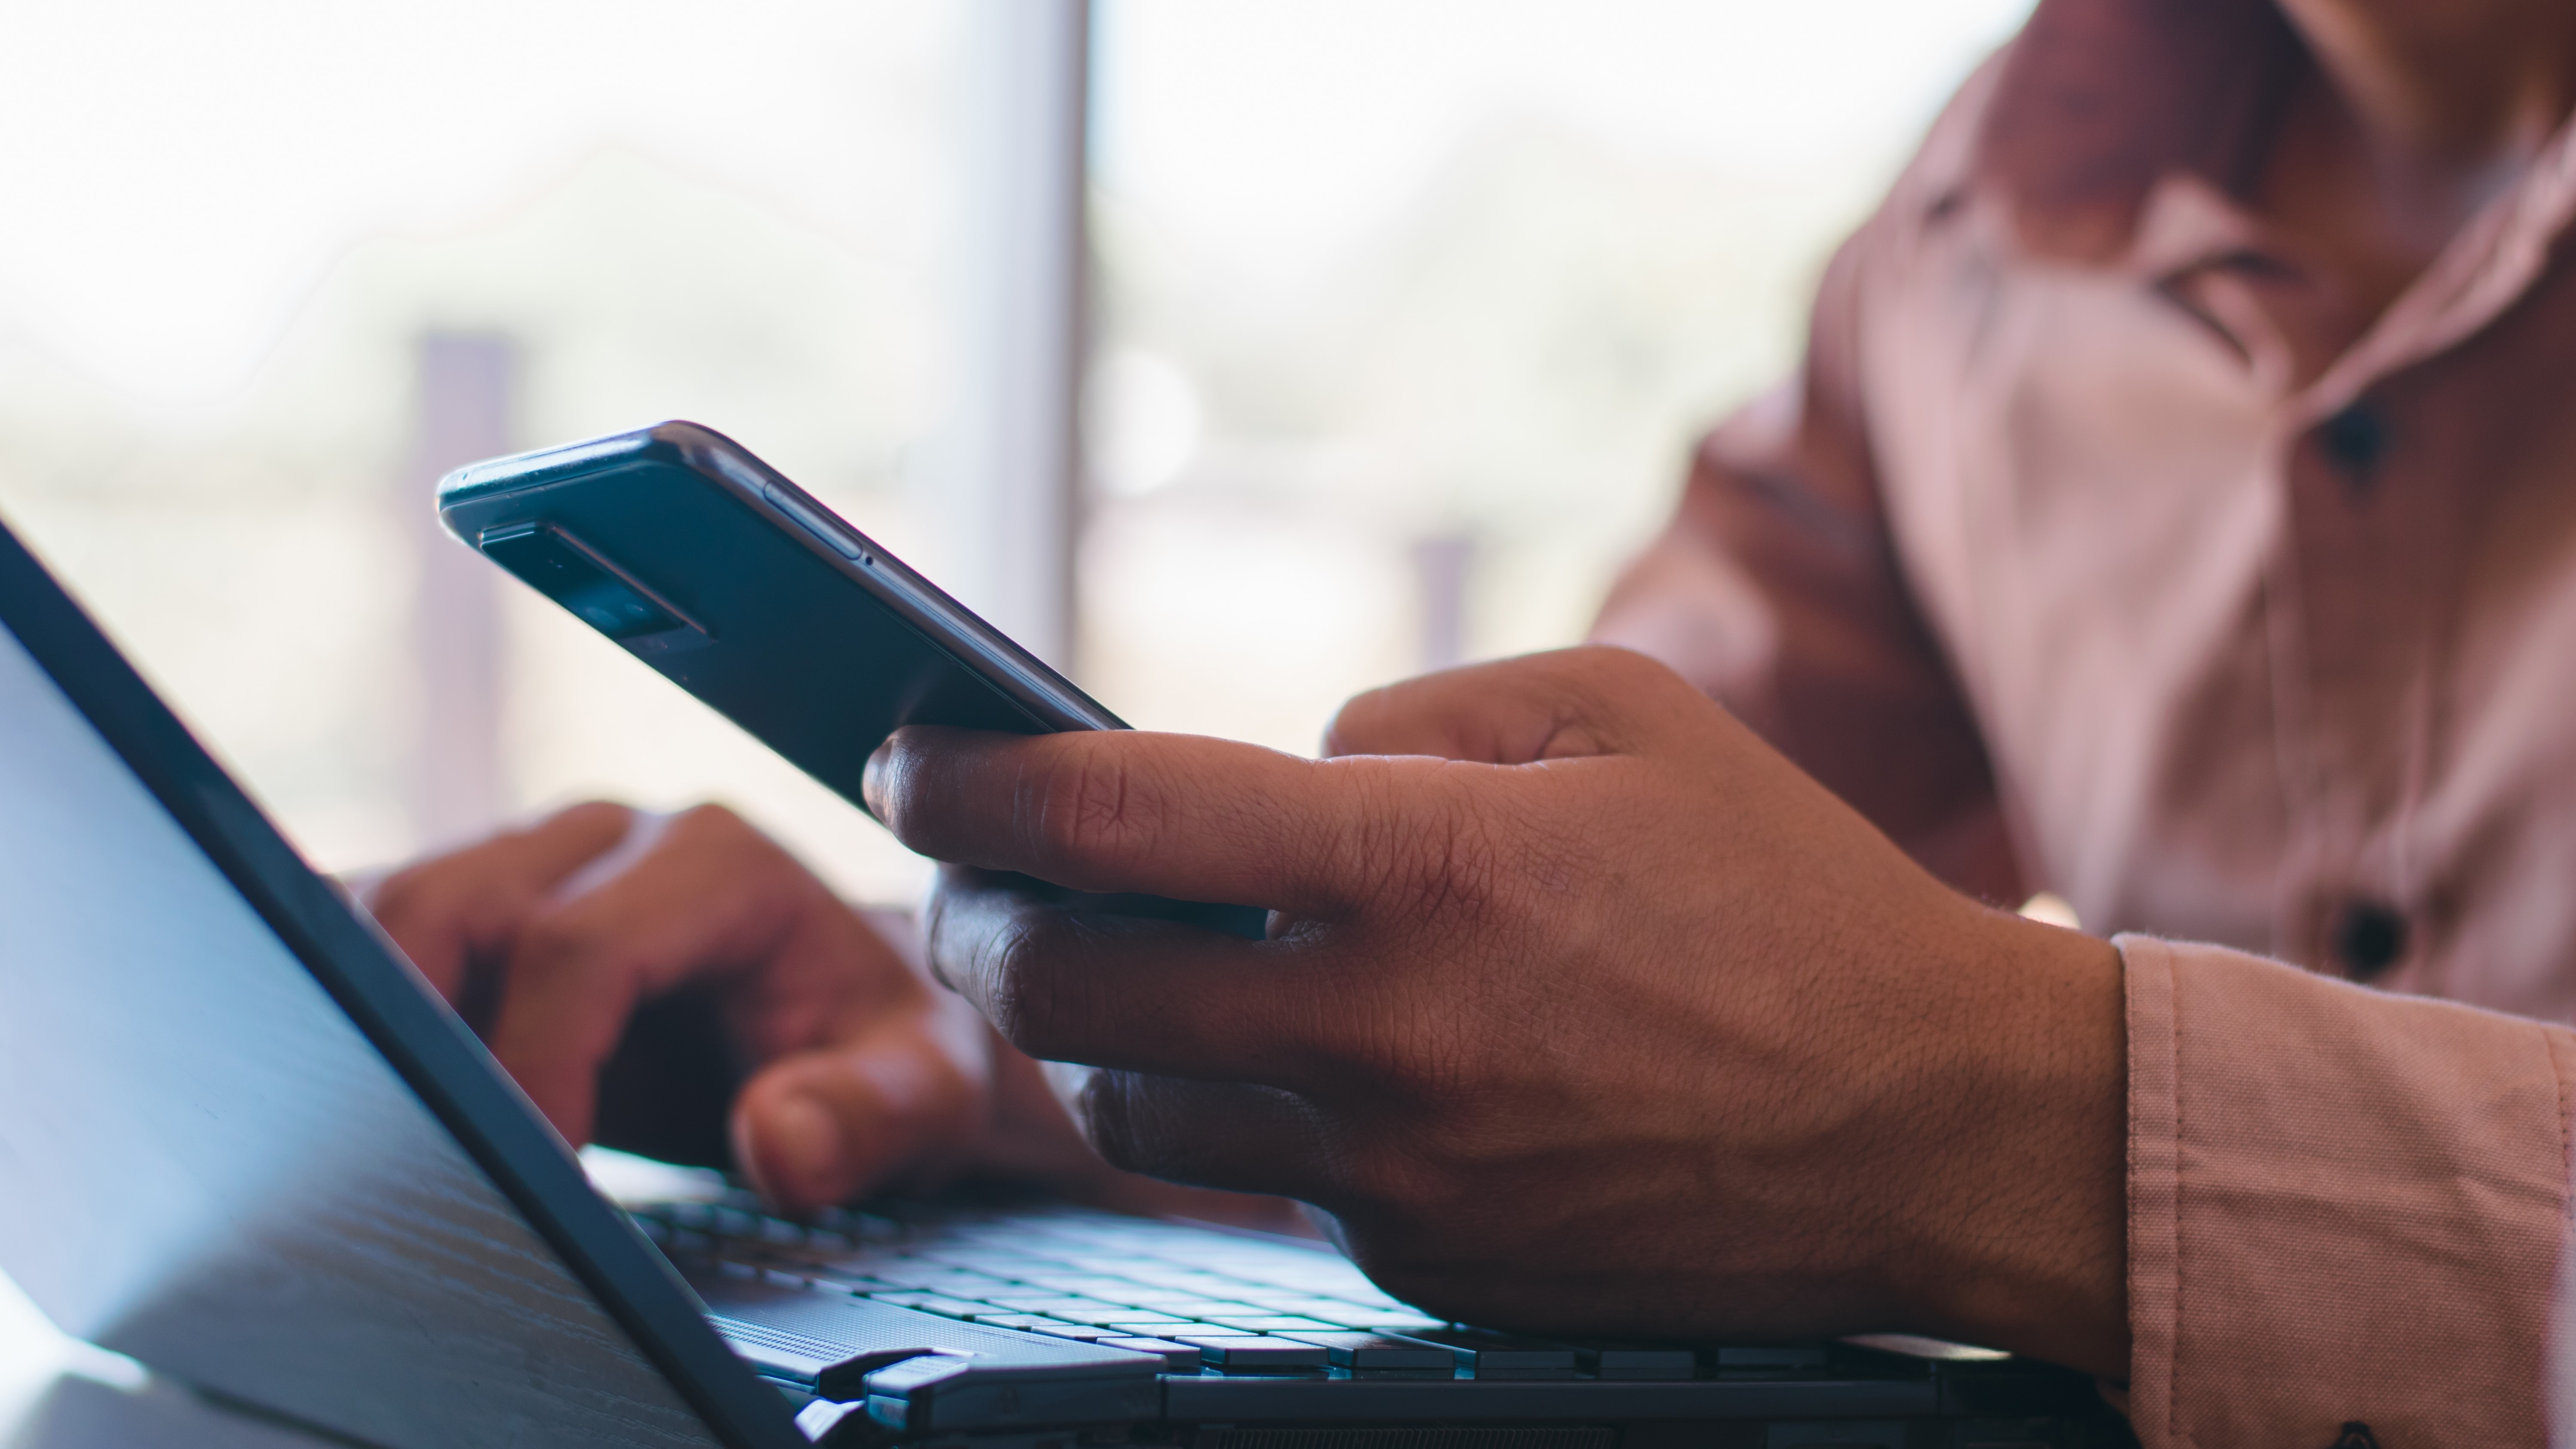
273 266
1410 311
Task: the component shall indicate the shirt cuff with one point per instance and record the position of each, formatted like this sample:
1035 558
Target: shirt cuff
2346 1208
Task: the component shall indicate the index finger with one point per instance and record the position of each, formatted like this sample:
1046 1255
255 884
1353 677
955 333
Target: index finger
1123 810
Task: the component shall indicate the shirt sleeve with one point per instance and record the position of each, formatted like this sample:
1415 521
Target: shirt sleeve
1776 589
2346 1209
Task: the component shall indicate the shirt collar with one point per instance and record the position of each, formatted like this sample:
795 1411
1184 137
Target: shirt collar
2099 101
2128 133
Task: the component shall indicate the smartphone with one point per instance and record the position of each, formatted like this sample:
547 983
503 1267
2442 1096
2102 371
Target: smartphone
736 585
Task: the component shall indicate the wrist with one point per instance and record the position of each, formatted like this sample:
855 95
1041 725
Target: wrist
2023 1240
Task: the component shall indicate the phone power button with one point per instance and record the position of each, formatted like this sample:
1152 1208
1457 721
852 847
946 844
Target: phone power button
810 521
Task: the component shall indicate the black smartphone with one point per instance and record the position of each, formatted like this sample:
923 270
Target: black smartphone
735 584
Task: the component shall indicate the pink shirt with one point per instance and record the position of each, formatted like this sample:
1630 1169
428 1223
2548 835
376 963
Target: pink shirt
2060 564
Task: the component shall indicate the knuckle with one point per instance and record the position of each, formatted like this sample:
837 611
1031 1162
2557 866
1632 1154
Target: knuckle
1448 855
1121 1129
564 943
731 848
1024 1000
1189 1131
1089 808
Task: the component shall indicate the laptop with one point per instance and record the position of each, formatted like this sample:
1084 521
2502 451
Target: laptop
244 1145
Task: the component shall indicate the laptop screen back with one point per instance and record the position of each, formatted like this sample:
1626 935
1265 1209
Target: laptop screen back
205 1165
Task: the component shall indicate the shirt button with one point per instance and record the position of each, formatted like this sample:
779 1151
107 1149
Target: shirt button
2369 937
2355 442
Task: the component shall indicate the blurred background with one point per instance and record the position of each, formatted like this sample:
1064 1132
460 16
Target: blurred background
1397 319
1386 325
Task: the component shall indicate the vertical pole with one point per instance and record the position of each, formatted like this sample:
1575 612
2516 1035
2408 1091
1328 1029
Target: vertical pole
456 786
1009 498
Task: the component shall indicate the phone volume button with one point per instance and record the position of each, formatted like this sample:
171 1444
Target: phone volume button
806 519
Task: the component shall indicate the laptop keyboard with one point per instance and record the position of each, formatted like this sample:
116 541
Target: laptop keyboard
936 1321
1204 1300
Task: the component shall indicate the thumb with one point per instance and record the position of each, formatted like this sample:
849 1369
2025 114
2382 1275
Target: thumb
1592 700
902 1101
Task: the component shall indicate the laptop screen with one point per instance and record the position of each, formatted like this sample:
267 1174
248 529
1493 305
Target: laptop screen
205 1165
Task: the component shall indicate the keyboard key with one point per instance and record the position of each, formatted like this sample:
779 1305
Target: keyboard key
1139 1295
833 1283
1501 1356
1081 1332
1771 1355
869 1262
1191 1280
979 1286
1330 1310
859 1227
916 1277
1141 1321
1080 1285
1053 1305
933 1303
1377 1355
1028 1322
1636 1360
983 1257
727 1222
1273 1324
1176 1357
1105 1313
1236 1355
1400 1322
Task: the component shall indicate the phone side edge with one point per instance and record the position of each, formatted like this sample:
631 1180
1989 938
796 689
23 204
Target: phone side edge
923 604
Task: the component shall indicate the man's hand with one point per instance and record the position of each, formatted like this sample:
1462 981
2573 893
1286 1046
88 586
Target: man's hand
549 938
1582 1009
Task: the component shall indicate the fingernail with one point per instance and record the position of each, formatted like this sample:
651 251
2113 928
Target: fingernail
806 1145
